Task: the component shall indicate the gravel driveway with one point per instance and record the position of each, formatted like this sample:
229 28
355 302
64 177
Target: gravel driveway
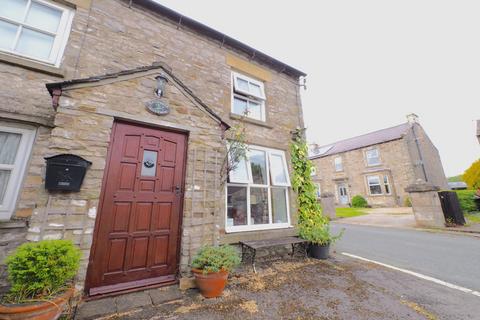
339 288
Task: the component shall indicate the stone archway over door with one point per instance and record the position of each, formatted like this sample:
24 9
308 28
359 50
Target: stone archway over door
137 229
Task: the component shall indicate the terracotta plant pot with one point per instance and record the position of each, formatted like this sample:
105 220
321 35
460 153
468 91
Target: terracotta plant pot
211 284
45 310
319 252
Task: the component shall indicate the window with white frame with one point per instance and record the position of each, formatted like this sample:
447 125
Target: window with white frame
248 97
313 171
338 164
15 146
257 192
374 185
386 184
35 29
373 157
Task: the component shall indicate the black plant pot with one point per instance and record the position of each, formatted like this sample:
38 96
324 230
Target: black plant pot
319 252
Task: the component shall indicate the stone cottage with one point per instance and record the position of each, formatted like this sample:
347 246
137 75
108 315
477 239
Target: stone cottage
147 96
378 165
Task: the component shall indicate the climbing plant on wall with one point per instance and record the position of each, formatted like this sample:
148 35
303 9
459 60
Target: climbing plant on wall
237 149
309 210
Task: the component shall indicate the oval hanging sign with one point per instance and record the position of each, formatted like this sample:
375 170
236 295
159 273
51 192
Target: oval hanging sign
158 107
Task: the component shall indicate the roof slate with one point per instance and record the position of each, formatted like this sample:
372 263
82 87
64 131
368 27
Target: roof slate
365 140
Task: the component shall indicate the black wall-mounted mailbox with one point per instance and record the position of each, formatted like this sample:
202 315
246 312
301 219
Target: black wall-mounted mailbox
65 172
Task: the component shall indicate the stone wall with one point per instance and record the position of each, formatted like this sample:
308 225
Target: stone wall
426 204
83 125
110 36
395 163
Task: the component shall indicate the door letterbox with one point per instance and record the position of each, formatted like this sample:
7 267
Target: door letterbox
65 172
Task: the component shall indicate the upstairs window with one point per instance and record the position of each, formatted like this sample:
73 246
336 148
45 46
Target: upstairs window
248 97
373 157
34 29
257 192
338 164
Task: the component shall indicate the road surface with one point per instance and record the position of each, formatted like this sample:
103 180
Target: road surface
453 258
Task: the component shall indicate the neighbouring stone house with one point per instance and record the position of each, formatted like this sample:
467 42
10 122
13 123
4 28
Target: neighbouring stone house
146 95
378 165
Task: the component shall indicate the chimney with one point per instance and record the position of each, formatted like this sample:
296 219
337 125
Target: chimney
412 118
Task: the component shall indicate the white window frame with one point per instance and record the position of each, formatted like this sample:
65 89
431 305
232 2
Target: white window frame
60 36
369 185
244 95
369 157
269 186
386 182
237 75
17 169
338 164
313 172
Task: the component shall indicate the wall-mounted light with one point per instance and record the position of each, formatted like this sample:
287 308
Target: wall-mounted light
161 82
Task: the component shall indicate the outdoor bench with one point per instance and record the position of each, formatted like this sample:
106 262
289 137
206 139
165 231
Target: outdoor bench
249 248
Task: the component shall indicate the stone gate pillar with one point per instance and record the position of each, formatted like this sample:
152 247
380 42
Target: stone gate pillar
327 199
426 204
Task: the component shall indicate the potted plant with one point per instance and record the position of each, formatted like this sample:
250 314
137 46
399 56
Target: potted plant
211 266
41 276
317 231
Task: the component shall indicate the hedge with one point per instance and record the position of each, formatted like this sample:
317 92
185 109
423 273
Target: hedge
465 197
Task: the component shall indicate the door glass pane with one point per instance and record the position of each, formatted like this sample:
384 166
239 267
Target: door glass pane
259 205
259 166
254 110
277 170
149 164
43 17
13 9
279 205
239 106
7 35
237 206
9 143
4 176
35 44
239 174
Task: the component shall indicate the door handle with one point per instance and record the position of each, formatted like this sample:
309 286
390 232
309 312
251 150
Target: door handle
178 190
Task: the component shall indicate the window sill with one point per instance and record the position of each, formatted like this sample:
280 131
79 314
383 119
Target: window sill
258 228
13 224
31 64
249 120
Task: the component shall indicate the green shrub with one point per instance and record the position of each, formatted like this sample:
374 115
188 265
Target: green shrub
465 197
214 259
41 269
407 202
317 231
359 202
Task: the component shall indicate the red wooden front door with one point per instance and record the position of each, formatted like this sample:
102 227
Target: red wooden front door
137 228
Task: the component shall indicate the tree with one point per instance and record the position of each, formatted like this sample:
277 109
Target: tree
471 176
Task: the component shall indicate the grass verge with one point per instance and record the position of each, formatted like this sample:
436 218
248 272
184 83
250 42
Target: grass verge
349 212
472 217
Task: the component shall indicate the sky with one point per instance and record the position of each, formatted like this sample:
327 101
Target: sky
369 63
